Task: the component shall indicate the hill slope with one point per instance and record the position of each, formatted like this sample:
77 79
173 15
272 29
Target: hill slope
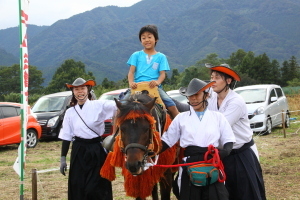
105 37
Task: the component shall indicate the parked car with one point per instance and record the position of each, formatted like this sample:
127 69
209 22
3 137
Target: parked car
10 125
112 94
174 94
265 104
50 111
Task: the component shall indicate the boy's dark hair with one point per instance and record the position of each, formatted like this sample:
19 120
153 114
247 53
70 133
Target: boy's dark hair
151 29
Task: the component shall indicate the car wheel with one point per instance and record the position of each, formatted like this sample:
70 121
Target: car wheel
287 120
32 138
268 127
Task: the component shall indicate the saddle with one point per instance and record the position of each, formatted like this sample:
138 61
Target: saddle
153 92
159 108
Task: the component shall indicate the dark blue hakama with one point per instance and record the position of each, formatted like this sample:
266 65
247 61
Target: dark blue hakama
85 182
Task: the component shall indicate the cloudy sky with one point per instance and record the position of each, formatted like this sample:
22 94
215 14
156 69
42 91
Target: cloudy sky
42 12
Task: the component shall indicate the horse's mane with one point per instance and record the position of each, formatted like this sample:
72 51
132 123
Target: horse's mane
134 108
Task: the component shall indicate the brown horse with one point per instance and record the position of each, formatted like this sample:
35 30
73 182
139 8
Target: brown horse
137 144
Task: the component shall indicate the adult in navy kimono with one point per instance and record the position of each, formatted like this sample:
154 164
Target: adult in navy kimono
196 129
244 174
84 124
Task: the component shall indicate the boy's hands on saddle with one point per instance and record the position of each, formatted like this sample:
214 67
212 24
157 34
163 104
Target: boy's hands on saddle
153 83
133 85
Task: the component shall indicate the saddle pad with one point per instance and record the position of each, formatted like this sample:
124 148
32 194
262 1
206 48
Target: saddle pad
153 92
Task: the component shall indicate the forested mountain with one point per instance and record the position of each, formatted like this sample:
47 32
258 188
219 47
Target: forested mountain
6 59
105 37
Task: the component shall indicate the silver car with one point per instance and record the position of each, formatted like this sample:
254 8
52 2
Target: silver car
265 105
174 94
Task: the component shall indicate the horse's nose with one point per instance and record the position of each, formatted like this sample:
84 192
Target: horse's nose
134 167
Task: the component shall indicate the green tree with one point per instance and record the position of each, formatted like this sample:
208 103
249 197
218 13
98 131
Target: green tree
294 68
245 80
261 69
212 58
67 73
246 63
12 97
294 83
123 83
174 77
275 74
285 73
105 83
236 58
10 80
167 80
199 70
188 75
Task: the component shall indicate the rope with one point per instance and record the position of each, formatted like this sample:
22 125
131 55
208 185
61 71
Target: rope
185 164
215 160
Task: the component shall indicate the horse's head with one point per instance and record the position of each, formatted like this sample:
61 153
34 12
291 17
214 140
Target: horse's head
136 126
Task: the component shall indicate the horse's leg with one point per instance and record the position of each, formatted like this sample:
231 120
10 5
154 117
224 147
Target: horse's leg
155 193
166 185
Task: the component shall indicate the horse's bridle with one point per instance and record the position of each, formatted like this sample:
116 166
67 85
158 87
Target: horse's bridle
144 148
135 145
147 149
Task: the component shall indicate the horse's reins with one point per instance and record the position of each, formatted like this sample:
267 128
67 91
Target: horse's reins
149 150
215 160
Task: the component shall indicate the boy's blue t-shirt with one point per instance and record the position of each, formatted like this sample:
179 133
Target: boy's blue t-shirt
148 68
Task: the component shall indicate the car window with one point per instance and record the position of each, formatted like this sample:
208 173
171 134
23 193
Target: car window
179 97
9 112
18 111
279 92
272 94
49 104
253 95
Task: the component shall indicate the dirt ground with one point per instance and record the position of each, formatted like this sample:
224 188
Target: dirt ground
279 157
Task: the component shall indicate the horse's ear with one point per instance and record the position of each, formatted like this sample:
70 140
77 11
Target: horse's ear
150 104
118 103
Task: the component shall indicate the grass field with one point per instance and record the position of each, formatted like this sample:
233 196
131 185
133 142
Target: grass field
279 157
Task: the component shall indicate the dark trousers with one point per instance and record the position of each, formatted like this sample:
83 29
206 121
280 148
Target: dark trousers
85 182
244 175
188 191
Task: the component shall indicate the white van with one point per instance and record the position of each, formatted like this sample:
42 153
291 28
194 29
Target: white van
265 105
